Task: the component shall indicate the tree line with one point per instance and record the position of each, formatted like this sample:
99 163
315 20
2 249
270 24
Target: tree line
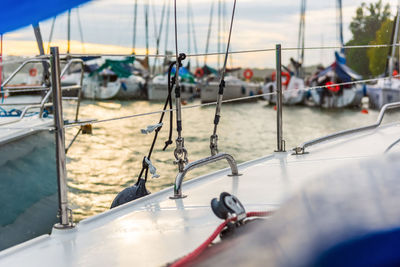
372 25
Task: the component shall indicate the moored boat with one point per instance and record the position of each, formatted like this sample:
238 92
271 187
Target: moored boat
235 88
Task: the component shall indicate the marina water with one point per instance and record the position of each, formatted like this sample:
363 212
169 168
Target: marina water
104 163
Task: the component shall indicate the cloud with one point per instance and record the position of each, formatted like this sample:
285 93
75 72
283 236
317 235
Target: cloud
258 24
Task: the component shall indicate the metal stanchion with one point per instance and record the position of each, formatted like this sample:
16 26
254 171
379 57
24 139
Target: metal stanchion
280 141
64 212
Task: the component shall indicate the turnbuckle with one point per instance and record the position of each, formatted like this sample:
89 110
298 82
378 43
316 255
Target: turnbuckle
214 144
180 154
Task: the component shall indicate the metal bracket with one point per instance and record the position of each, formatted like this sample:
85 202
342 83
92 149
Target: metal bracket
283 146
214 144
180 154
193 165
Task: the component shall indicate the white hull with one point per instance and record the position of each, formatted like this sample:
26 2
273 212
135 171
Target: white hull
234 89
28 185
158 91
384 92
121 88
334 100
293 93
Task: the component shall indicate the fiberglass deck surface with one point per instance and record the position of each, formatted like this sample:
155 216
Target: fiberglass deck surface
155 230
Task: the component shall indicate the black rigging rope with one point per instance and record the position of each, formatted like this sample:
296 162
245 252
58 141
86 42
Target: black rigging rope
168 100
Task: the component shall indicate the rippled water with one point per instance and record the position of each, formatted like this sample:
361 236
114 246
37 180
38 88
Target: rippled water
101 165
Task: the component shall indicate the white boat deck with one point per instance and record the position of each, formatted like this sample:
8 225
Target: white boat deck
17 128
156 230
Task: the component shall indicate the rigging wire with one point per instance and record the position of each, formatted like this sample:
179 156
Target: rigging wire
80 30
63 56
180 152
51 34
214 136
223 53
70 125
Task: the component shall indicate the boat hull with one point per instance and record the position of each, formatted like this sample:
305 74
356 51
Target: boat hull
28 187
159 91
346 98
132 87
293 94
379 97
209 91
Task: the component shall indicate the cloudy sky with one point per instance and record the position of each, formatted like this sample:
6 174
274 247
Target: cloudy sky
107 27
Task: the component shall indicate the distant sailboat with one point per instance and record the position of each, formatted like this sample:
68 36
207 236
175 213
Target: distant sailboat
293 85
331 95
387 90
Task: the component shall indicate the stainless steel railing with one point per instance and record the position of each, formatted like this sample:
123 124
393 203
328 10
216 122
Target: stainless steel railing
198 163
44 101
301 149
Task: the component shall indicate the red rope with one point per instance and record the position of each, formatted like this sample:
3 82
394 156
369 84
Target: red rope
195 253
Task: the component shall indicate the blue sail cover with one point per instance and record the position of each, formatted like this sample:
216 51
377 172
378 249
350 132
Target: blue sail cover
344 72
20 13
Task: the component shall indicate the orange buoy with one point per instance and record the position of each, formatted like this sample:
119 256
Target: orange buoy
275 107
199 73
364 111
248 73
283 74
331 87
33 72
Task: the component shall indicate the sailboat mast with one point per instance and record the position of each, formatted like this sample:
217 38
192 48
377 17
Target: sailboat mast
51 34
80 30
39 41
69 32
193 33
146 16
134 28
219 32
340 23
300 40
158 36
209 32
188 25
393 42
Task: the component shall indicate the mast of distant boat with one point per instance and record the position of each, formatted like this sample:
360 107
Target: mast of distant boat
390 60
300 40
39 40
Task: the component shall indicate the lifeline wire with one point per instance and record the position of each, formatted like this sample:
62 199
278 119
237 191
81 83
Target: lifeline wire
224 101
214 53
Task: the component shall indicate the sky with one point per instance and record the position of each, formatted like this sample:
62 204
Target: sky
107 27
